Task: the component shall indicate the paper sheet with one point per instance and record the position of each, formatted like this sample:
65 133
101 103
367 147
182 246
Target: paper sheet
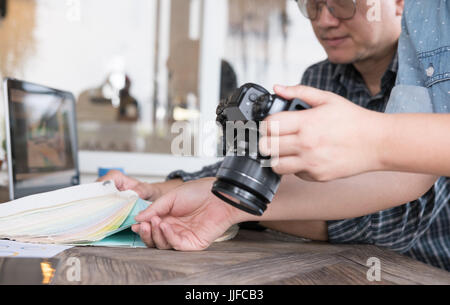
15 249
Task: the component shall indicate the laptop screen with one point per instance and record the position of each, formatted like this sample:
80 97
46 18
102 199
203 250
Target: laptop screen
42 139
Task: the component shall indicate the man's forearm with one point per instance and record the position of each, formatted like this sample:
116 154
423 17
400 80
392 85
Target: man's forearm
416 143
166 186
315 230
345 198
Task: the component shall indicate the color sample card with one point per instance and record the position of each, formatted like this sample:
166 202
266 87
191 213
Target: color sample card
75 215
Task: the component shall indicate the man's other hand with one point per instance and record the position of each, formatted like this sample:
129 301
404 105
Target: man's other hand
146 191
188 218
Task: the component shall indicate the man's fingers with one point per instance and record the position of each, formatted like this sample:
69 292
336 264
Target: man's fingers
286 165
158 238
279 146
289 122
160 207
305 176
172 238
282 123
312 96
267 145
142 191
145 232
135 228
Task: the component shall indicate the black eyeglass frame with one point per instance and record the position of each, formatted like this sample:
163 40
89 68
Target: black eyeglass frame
302 6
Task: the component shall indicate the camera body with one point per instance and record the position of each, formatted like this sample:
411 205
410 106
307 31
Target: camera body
244 180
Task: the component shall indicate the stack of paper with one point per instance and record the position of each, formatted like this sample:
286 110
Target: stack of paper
80 215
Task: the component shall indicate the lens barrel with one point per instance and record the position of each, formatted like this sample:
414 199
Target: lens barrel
245 180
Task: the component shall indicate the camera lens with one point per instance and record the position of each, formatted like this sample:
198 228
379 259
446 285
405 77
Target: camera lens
245 184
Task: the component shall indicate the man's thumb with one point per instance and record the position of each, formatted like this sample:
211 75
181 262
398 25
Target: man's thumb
160 207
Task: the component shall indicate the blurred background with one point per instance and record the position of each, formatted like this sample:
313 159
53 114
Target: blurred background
138 66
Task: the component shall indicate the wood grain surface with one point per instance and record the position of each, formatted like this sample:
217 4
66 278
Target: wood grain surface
250 258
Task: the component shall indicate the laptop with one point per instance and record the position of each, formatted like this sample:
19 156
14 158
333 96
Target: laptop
41 138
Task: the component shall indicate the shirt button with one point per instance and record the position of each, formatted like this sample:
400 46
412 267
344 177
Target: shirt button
430 70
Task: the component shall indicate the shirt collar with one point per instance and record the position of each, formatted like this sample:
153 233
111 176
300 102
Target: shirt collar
393 66
346 73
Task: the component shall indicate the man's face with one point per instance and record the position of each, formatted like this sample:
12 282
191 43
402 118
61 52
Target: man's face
358 39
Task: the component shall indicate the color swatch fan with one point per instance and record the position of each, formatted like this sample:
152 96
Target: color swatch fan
82 214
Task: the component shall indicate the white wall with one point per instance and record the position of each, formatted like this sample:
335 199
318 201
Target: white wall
76 54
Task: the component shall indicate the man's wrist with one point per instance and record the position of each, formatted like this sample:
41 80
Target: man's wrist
381 131
240 216
161 188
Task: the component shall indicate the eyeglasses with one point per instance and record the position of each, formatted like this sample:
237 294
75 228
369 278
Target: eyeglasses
341 9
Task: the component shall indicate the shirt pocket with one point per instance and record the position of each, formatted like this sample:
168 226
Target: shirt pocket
436 65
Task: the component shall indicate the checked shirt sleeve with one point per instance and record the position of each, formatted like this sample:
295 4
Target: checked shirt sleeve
399 228
207 171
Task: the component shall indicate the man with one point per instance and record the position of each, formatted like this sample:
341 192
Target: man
423 86
409 142
362 67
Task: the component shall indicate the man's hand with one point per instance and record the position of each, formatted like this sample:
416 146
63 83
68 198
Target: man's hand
334 139
189 218
146 191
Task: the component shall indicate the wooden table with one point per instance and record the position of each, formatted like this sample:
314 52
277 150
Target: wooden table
250 258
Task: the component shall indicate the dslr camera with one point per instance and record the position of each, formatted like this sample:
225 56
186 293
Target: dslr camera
245 179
